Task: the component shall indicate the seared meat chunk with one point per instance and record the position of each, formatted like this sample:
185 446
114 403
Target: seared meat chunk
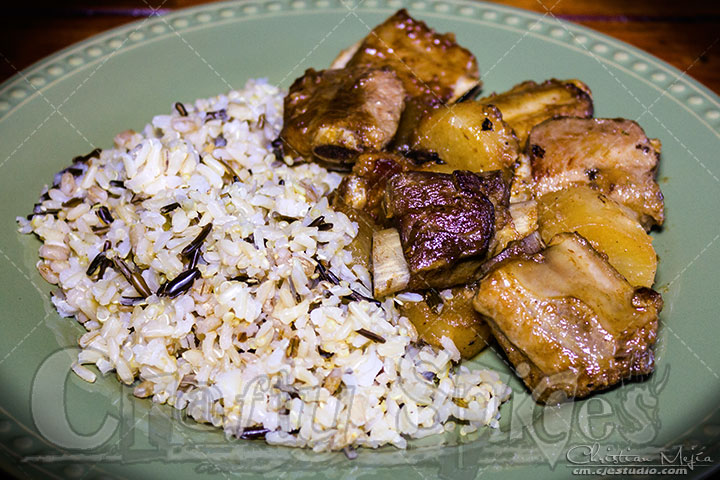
529 103
445 220
613 156
467 136
415 190
433 68
427 62
438 235
364 188
334 115
568 321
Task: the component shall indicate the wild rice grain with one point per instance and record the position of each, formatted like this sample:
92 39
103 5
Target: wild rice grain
169 208
95 264
95 153
104 264
372 336
73 202
181 109
254 433
133 277
197 241
194 258
104 214
129 301
181 284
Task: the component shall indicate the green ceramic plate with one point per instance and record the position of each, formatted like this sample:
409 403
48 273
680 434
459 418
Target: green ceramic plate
54 425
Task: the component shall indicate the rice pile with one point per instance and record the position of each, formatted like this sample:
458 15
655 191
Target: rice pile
249 312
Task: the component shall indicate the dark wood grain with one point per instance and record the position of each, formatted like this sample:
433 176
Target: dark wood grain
694 48
684 34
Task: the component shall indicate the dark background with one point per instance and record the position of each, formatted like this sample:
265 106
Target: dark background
685 34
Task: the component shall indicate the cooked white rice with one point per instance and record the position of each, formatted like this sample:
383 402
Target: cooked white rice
260 343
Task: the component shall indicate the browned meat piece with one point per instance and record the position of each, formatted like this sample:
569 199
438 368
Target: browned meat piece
417 190
335 115
568 322
364 188
446 222
454 318
427 62
613 156
433 68
529 103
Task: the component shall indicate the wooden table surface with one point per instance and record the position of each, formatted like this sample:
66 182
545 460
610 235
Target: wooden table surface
685 34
